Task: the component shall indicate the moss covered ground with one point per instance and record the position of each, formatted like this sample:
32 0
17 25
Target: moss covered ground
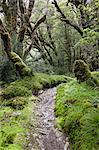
77 112
17 105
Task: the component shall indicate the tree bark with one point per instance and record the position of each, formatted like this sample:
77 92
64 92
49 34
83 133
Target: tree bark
21 67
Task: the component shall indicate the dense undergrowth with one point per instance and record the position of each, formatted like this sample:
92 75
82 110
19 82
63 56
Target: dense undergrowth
16 107
77 112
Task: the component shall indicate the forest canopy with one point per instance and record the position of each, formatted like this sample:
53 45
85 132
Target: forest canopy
48 36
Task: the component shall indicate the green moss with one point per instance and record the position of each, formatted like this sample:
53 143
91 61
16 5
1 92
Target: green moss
82 73
15 58
14 124
77 112
81 70
10 128
13 91
26 71
95 74
16 102
17 105
21 67
39 81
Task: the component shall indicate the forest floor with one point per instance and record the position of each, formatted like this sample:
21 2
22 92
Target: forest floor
21 111
35 122
46 136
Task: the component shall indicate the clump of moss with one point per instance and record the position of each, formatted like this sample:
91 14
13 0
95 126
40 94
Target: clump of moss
81 70
95 74
82 73
28 85
14 91
16 103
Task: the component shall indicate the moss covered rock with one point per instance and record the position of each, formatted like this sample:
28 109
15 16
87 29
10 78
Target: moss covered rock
82 73
81 70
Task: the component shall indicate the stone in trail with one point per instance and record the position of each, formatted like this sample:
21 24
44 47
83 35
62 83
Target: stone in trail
46 136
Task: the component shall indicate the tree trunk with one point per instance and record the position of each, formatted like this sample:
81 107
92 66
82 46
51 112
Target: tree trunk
21 67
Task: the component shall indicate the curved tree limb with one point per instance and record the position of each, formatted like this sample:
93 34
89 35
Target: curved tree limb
32 33
42 19
31 5
25 16
73 25
67 21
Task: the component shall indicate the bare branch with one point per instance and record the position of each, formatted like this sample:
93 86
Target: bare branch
73 25
21 6
13 11
2 28
7 14
39 22
32 29
5 7
31 5
27 51
50 37
46 43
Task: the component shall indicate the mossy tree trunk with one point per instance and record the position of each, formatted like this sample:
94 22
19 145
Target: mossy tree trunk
12 30
12 40
21 67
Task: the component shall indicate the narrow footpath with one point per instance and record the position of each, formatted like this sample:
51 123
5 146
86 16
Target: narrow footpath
45 135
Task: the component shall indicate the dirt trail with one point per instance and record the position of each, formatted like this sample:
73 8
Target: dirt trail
46 136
